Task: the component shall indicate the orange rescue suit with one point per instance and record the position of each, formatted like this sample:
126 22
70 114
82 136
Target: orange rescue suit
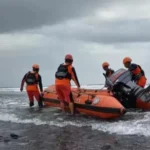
32 81
138 75
64 75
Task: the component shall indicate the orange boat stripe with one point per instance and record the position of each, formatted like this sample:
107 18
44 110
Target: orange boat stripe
90 107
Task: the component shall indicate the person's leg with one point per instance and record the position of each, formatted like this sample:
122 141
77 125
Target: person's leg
31 98
69 98
38 98
71 104
59 89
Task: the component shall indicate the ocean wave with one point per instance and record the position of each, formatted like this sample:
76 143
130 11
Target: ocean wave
97 86
122 127
88 86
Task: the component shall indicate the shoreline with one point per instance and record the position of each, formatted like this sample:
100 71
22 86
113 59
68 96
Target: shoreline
46 137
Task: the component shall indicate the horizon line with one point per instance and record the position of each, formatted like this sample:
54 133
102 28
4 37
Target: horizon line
53 84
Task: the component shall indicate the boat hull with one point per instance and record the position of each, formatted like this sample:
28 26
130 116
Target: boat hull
101 105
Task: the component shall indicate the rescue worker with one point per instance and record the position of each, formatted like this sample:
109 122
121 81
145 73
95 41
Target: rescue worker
138 75
33 82
108 70
64 74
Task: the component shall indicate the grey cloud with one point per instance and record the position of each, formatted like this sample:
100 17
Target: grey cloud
48 59
120 31
105 32
87 64
63 32
27 14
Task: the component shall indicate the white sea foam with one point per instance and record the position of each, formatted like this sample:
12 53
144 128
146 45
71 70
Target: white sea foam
95 86
129 127
138 126
18 89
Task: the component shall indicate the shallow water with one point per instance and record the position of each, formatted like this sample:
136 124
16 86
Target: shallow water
48 128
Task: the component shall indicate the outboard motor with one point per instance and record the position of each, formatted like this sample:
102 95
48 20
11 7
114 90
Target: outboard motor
121 81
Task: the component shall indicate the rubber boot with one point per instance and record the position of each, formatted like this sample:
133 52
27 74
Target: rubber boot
71 106
31 104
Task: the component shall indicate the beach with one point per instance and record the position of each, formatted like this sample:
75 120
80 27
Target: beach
25 128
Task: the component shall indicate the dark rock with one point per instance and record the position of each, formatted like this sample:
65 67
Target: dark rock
106 147
14 136
6 140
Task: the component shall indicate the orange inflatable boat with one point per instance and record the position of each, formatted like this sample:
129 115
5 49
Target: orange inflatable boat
99 105
93 91
122 94
124 90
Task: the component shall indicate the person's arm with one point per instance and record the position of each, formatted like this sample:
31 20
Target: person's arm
22 82
75 77
40 83
107 73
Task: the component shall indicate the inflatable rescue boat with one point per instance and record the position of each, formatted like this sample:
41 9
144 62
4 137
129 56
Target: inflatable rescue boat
125 91
98 105
103 103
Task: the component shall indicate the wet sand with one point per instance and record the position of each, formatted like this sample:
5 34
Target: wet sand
45 137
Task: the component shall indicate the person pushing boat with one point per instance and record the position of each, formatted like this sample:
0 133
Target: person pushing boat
108 71
64 74
138 74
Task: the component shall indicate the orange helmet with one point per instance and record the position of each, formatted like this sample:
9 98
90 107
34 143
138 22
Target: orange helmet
35 66
126 59
69 56
105 64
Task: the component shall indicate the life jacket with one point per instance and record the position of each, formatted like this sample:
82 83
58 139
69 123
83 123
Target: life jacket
142 71
63 72
31 78
137 73
109 72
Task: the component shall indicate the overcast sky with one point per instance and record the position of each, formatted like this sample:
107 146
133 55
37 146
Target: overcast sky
93 31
